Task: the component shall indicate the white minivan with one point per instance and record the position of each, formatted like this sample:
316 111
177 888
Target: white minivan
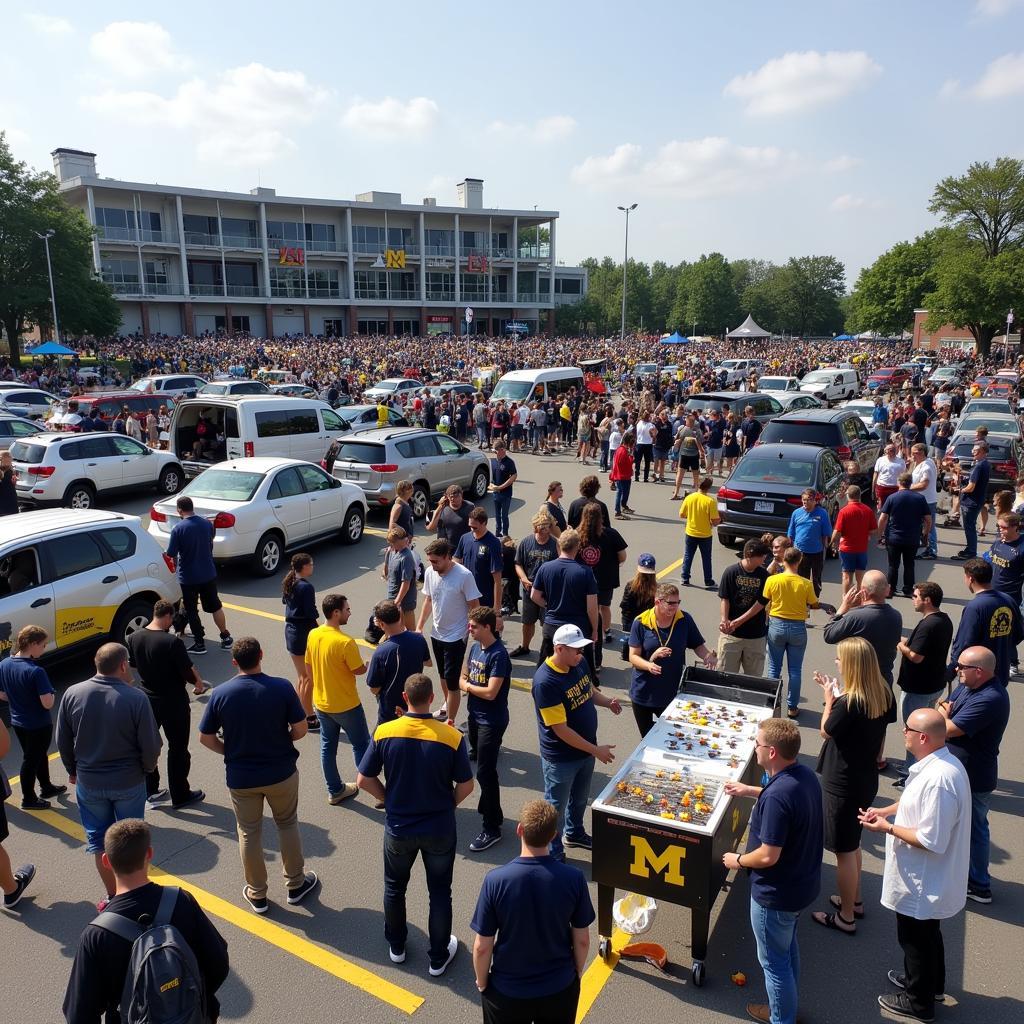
537 385
219 427
831 385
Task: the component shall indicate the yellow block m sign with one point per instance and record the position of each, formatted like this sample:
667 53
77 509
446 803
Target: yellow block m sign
394 259
669 862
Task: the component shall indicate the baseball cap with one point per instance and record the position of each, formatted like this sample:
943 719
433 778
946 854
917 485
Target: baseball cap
646 563
570 636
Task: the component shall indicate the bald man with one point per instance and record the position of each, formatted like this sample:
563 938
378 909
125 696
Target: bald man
976 716
864 612
927 853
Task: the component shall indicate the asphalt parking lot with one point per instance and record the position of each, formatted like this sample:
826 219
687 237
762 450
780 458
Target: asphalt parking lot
326 960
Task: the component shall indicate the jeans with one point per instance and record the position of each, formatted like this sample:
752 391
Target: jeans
969 517
978 875
604 456
353 722
558 1008
909 703
787 637
924 961
100 808
502 503
481 434
933 535
485 742
622 494
691 546
172 715
905 553
567 789
779 956
35 764
438 854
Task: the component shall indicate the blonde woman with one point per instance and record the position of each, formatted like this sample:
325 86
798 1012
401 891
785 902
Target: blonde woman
778 543
853 721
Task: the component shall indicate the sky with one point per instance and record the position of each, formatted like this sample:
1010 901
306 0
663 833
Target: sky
763 130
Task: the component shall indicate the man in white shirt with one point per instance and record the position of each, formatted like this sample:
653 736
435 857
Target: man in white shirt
923 476
927 854
885 479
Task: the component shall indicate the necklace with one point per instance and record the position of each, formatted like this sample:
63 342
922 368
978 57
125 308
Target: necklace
671 628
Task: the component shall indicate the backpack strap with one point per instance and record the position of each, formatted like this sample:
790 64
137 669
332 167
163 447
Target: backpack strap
168 898
123 927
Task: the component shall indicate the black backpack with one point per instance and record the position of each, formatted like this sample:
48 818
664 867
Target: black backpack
163 984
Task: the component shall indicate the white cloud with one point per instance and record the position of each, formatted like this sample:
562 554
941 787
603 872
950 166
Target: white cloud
844 162
803 81
546 129
689 169
49 25
136 49
995 8
1003 77
848 202
391 118
241 117
950 88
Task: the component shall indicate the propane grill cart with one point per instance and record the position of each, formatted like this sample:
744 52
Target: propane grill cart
664 821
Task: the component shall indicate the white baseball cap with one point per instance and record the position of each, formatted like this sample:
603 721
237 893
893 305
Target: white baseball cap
570 636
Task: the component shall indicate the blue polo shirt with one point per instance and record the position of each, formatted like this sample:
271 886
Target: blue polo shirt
192 544
482 558
809 530
395 659
906 510
485 664
980 473
255 711
565 585
982 714
531 905
788 814
24 682
564 697
421 759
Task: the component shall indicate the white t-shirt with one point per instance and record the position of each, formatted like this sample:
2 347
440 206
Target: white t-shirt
644 432
889 470
523 415
926 472
450 595
614 440
931 884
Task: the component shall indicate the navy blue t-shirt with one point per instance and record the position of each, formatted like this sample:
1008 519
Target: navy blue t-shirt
716 433
658 691
566 585
788 814
482 558
24 681
395 659
255 711
300 608
192 543
502 469
980 473
1007 567
564 698
531 905
982 714
906 510
992 620
485 664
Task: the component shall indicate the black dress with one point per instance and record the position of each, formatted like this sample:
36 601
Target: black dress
8 494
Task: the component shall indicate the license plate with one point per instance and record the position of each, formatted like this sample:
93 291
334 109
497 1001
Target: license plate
764 506
351 474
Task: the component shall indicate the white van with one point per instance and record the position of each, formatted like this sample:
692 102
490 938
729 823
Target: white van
248 426
535 385
831 385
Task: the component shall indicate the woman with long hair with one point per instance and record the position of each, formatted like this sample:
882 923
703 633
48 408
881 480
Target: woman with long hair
298 596
852 725
401 510
638 594
622 475
603 549
731 440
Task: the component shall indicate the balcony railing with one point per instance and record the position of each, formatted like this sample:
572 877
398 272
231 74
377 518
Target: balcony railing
287 291
473 294
440 295
535 252
502 254
145 235
369 248
530 298
244 290
163 288
206 289
322 246
242 242
158 237
124 287
201 238
325 291
439 250
405 294
373 294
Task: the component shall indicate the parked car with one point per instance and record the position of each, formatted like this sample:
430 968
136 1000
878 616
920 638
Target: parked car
795 400
736 371
1000 389
170 385
12 428
887 378
263 507
450 387
377 459
1005 456
401 388
951 375
841 430
996 423
58 468
916 371
32 403
988 406
109 406
764 488
86 576
774 385
364 417
764 406
831 385
234 387
865 409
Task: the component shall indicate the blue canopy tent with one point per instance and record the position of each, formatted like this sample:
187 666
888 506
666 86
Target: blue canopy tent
845 337
675 339
52 348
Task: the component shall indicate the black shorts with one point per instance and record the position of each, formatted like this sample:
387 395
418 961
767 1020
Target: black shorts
840 810
448 657
691 462
604 598
5 829
532 612
295 635
204 593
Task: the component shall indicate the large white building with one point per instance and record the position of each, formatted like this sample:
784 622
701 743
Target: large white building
186 261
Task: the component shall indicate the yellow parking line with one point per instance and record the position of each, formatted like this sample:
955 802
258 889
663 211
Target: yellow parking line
15 780
274 934
669 568
596 976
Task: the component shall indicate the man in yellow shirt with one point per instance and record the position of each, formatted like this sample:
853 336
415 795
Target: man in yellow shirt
334 661
700 513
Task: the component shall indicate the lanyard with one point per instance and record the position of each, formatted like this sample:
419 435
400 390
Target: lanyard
668 640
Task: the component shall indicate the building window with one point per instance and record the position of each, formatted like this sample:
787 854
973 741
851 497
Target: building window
283 232
200 230
287 283
121 224
439 242
116 271
368 235
568 286
371 284
239 232
473 240
156 272
323 284
402 285
399 238
411 327
322 234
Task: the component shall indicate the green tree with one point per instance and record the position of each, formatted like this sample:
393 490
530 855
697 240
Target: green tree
662 296
987 203
711 297
764 297
811 287
30 203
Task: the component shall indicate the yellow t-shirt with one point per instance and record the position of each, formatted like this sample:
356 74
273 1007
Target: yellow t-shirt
789 596
564 411
382 414
332 658
699 509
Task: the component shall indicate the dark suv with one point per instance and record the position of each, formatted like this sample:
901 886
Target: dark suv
765 407
1005 456
842 430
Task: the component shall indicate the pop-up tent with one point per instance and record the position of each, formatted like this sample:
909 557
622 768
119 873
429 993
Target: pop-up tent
749 329
52 348
675 339
845 337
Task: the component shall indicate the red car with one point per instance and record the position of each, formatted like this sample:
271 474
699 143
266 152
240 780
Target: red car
887 378
110 405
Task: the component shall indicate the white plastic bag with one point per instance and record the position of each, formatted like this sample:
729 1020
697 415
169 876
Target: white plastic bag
634 913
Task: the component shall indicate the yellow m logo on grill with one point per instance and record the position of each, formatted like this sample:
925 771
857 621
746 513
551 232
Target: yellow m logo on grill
669 862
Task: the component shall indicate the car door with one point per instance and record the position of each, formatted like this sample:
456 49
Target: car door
456 461
325 511
832 478
289 504
866 448
138 467
99 461
435 466
25 599
307 439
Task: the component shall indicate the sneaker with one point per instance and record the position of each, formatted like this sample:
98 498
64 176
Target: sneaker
484 841
900 981
195 796
102 904
711 585
519 652
33 803
581 842
161 796
979 895
453 945
22 880
900 783
227 641
961 555
258 905
929 555
52 791
898 1004
199 647
347 791
312 724
397 956
609 637
441 714
297 895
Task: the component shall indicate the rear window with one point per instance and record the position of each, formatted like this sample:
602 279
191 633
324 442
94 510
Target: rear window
223 483
824 435
32 454
996 452
700 404
360 451
796 472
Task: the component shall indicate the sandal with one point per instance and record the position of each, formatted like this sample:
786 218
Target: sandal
832 921
838 904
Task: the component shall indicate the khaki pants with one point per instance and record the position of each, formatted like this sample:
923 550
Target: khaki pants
738 655
283 798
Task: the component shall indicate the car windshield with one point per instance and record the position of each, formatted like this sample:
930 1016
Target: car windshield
799 432
861 408
32 454
773 383
512 390
213 389
818 377
996 452
773 470
361 451
387 385
229 485
140 385
995 424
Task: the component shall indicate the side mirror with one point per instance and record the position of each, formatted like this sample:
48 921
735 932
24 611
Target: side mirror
335 483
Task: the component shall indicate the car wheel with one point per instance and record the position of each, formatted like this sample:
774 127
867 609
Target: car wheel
419 501
478 488
355 521
269 552
170 480
129 619
727 540
80 496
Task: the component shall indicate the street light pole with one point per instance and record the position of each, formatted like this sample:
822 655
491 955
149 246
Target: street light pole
625 263
49 270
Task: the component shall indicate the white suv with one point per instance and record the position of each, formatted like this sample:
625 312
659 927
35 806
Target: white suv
73 469
170 385
85 576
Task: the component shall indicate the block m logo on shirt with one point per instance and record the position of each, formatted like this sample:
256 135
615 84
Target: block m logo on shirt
668 863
